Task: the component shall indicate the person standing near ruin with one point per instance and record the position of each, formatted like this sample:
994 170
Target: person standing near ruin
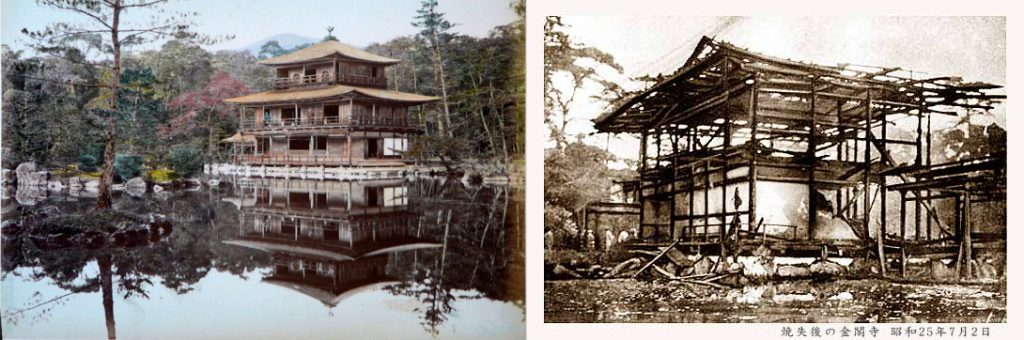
591 240
609 239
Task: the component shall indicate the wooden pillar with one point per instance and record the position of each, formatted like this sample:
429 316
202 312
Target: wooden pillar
958 229
672 186
919 161
722 183
917 215
883 191
657 150
856 158
657 183
880 243
689 196
752 171
928 162
349 137
840 146
811 154
707 194
903 230
968 244
640 188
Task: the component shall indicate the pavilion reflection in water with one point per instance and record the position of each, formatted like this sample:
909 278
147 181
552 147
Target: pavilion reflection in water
329 239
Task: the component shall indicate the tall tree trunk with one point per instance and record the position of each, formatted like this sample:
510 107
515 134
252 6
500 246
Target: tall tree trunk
483 119
501 120
415 89
103 200
439 73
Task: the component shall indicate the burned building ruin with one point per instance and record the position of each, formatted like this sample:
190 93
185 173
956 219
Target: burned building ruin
740 149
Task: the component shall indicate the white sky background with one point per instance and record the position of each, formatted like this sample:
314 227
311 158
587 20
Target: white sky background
356 22
971 47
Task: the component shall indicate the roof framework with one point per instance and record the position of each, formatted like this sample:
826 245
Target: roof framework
729 116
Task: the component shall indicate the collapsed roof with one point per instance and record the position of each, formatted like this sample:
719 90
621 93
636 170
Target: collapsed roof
718 76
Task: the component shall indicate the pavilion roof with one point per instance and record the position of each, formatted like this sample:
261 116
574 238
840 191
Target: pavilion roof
326 49
328 92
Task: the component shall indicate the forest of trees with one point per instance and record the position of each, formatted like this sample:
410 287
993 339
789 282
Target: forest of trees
169 105
575 173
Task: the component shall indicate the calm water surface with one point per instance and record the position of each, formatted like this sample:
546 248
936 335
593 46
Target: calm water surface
413 258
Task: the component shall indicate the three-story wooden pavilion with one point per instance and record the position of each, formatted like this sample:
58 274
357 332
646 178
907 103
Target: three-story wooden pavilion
329 107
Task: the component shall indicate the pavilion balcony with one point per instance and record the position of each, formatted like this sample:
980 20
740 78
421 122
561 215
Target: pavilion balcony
313 160
334 122
314 79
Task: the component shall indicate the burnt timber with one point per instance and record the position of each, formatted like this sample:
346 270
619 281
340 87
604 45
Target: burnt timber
730 121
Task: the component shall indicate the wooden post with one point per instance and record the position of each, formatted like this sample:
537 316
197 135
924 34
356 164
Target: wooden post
707 193
811 154
640 188
880 240
918 161
752 171
725 193
689 197
928 162
675 175
856 158
349 137
958 228
840 145
884 193
657 181
903 229
968 245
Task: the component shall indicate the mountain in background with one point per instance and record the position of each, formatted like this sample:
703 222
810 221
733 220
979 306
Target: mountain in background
286 40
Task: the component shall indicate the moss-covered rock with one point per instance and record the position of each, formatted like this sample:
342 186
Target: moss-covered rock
162 175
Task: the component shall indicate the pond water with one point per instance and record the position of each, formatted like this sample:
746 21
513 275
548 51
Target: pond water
381 259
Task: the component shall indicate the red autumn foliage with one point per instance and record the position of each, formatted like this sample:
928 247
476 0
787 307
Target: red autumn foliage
209 98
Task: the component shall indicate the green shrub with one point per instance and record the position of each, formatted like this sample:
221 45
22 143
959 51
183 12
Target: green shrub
87 163
185 161
127 166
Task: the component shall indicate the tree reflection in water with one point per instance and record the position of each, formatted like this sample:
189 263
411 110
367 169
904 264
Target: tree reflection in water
433 240
177 259
482 248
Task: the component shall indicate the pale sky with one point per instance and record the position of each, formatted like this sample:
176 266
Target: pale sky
356 22
971 47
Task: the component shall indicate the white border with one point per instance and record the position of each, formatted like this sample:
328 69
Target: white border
537 10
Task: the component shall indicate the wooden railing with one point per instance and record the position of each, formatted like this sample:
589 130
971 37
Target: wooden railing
331 122
315 79
310 160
